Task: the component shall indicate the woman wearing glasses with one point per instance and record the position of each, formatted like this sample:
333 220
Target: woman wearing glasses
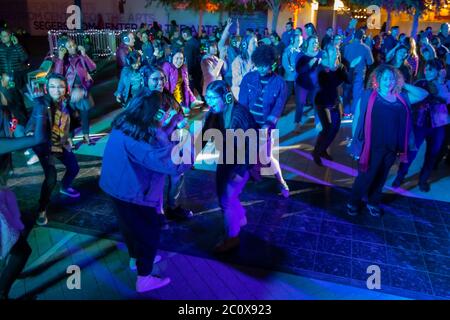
136 160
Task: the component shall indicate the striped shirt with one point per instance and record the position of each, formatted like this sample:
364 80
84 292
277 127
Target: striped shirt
257 109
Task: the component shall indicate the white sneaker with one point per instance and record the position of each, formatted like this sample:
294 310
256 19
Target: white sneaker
284 188
144 284
42 219
133 266
70 192
34 159
27 152
243 221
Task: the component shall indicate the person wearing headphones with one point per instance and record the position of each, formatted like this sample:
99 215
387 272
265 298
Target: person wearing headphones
124 48
136 160
178 81
243 63
15 250
212 66
231 177
264 93
57 143
155 79
131 80
75 65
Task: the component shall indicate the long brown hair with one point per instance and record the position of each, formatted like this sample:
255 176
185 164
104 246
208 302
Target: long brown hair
138 119
375 77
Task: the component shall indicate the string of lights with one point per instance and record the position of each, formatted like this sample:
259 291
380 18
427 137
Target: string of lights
100 43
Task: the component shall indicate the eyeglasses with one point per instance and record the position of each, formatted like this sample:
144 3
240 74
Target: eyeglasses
56 87
162 79
211 97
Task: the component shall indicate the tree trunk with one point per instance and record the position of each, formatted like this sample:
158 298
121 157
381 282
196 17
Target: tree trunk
275 14
415 24
389 19
200 22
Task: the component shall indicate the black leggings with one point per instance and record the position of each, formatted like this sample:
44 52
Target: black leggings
47 161
330 118
140 229
15 262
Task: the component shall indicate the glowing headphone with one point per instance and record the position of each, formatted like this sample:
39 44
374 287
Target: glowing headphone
228 96
219 86
126 38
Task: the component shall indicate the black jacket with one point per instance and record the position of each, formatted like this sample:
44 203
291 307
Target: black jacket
12 58
241 118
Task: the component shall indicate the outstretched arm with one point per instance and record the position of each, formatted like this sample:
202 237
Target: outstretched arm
13 144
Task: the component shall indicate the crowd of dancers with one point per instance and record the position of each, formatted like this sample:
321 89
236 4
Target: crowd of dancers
395 89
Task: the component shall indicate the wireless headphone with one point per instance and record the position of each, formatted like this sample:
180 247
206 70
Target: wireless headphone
228 96
126 38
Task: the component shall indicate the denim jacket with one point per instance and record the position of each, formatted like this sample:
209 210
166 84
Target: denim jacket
274 98
123 89
134 171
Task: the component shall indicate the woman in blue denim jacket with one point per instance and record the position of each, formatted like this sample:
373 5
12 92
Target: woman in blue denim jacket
136 160
130 82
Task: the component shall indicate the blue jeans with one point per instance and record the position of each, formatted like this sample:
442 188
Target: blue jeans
294 88
228 192
358 87
303 96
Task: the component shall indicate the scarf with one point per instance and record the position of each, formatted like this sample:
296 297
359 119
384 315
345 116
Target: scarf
365 155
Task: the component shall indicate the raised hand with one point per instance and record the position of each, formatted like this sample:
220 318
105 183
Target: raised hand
62 52
14 40
32 94
82 50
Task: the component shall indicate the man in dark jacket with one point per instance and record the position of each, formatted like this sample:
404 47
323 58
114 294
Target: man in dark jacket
193 57
57 144
12 57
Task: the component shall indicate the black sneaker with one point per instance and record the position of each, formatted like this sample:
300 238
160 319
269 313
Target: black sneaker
424 186
325 155
317 159
179 213
352 210
163 222
374 211
397 182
